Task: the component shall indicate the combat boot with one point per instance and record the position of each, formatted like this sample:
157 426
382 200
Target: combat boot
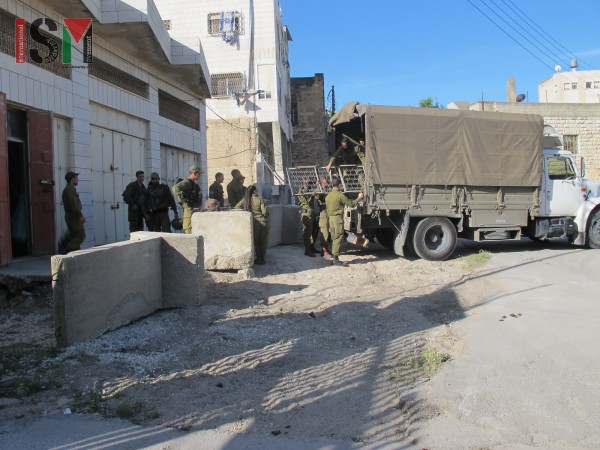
336 262
308 252
313 249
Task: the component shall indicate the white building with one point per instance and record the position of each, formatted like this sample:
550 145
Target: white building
246 48
138 105
576 86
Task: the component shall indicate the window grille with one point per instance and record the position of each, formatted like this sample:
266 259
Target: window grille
119 78
167 24
227 84
214 23
172 108
571 142
8 40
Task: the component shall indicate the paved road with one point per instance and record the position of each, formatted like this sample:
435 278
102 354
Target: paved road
530 380
517 382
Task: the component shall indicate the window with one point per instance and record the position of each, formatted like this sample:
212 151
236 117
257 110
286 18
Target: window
588 84
217 20
596 84
167 24
567 86
264 94
560 168
227 84
571 142
574 86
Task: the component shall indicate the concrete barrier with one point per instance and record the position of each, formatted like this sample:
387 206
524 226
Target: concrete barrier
291 227
228 243
182 264
103 288
275 222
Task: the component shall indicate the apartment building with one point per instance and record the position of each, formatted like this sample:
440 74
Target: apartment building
136 105
248 115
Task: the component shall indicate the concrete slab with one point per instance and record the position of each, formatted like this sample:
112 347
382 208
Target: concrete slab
182 267
103 288
228 243
22 274
291 229
275 223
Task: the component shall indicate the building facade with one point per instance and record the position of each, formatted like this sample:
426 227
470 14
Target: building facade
248 115
576 86
309 121
138 105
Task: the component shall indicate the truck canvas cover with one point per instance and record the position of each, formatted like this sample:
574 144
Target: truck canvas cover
451 147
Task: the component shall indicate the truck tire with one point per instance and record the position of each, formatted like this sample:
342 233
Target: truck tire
435 238
593 230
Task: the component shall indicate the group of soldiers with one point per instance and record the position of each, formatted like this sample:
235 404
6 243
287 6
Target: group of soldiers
330 226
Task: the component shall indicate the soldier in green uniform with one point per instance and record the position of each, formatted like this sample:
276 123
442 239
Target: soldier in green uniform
323 221
135 195
260 221
347 155
235 188
73 214
215 190
335 202
160 200
188 195
310 230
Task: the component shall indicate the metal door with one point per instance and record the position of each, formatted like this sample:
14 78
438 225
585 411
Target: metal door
41 183
115 159
562 187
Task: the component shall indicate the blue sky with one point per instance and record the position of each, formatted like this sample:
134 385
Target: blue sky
397 52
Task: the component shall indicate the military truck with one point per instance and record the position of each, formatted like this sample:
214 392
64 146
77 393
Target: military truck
434 175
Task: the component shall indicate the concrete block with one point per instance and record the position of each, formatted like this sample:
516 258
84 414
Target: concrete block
228 243
103 288
182 267
291 228
275 223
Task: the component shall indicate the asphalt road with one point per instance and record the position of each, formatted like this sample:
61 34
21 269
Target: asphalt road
526 374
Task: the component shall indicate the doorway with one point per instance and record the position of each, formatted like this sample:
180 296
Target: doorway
18 187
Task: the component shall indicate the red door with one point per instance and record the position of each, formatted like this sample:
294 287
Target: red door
5 243
43 230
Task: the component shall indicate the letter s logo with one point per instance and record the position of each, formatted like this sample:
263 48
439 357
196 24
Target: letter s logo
50 43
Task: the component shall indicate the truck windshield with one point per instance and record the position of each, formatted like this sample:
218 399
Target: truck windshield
560 168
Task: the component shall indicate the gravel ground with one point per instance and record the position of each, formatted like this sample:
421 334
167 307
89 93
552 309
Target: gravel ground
302 349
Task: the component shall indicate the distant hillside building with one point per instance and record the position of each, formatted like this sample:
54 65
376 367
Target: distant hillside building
309 121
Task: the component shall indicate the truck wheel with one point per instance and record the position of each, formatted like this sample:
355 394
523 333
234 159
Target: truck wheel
593 230
435 238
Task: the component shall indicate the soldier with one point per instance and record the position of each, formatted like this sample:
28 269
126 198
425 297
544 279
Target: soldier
260 221
347 155
215 191
235 188
160 200
335 202
135 195
73 214
310 229
188 194
324 237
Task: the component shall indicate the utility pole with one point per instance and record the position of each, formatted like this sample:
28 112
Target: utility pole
332 100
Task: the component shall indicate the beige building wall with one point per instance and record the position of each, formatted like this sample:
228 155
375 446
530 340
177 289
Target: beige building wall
308 119
576 86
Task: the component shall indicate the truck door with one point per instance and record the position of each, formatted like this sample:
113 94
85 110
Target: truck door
562 187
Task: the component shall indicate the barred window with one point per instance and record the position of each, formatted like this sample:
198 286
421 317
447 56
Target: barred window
117 77
227 84
215 21
571 142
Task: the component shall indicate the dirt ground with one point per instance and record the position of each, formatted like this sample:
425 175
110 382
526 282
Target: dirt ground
302 348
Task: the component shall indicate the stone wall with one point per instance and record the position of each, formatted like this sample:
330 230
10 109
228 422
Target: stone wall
310 126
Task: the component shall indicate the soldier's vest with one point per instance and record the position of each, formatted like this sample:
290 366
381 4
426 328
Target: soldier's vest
192 194
157 198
